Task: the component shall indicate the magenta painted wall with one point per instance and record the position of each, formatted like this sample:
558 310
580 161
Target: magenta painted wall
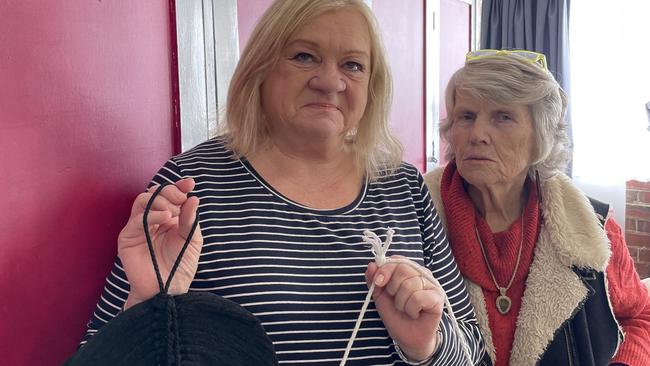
402 25
85 120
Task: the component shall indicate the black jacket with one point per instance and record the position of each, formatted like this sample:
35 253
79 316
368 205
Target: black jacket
591 336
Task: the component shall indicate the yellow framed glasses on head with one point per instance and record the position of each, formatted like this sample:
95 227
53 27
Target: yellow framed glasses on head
534 57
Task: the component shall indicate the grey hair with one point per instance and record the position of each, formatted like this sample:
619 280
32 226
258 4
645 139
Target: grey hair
376 150
511 80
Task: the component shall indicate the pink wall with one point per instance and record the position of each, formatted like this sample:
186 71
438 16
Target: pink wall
85 120
248 13
402 24
455 26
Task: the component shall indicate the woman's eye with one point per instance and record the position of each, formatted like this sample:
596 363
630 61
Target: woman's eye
303 57
353 66
504 117
466 117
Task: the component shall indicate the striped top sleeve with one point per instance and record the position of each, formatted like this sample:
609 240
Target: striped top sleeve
440 260
301 270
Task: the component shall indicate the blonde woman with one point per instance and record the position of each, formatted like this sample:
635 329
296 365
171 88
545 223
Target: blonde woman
305 165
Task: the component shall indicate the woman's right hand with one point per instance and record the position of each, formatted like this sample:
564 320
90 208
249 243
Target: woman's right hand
170 220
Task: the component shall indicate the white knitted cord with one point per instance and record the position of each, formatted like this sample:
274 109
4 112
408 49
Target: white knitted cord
379 250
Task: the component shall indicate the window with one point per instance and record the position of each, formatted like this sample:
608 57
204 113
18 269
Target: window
610 86
208 50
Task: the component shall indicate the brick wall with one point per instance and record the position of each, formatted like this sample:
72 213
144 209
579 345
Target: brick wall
637 224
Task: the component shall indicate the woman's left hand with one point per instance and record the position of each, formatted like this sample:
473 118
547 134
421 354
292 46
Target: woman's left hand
409 304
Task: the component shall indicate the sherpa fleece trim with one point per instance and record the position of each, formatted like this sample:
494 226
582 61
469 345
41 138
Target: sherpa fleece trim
570 236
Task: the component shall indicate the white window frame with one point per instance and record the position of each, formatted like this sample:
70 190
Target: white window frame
208 51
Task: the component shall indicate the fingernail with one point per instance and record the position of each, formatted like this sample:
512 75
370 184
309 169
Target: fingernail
379 280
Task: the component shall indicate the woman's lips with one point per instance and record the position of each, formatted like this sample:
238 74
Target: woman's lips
322 106
478 158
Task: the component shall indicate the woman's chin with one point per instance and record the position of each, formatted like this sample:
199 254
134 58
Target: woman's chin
478 176
324 131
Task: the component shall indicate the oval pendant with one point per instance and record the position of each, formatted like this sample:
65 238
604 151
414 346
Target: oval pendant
503 304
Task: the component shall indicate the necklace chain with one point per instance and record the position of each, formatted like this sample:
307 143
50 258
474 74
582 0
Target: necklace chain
502 290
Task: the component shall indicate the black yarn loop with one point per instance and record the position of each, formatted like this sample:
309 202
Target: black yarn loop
148 236
164 288
180 254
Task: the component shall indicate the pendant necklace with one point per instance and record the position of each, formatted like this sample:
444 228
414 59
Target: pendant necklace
503 302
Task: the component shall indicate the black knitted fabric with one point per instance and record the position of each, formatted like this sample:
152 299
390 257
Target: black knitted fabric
196 328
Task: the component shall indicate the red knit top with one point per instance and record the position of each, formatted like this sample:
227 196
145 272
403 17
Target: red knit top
629 297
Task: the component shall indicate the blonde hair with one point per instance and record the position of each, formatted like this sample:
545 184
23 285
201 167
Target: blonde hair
511 80
377 151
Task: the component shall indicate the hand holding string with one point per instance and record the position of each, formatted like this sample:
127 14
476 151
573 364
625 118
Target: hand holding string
172 214
409 300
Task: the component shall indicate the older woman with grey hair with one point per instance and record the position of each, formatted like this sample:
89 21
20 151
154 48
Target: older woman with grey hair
547 268
304 174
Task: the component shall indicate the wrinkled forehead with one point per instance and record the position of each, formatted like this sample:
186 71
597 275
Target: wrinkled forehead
467 99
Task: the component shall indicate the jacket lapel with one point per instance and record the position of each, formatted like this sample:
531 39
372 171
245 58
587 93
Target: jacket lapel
552 293
570 236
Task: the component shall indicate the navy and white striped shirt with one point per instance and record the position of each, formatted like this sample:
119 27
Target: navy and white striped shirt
301 270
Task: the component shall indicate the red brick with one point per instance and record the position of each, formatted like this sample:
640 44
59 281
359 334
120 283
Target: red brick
634 252
637 212
630 224
643 269
631 196
637 240
644 255
643 197
638 185
642 226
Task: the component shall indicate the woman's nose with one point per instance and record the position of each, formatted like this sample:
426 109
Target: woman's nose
479 130
328 79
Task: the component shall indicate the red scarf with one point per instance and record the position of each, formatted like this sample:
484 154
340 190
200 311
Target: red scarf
501 250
